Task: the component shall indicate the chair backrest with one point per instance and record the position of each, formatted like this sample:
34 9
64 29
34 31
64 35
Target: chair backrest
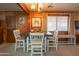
36 36
55 35
16 33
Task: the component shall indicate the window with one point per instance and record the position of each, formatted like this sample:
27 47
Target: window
51 23
62 23
57 22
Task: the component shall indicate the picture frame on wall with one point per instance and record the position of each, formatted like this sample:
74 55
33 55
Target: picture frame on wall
21 20
36 22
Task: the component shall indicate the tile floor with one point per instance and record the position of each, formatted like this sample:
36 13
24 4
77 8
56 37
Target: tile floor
7 49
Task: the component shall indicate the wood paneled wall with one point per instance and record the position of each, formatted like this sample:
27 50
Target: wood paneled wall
43 19
1 35
9 23
7 26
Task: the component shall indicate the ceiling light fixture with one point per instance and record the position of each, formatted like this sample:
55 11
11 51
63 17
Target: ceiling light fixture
39 7
50 5
32 7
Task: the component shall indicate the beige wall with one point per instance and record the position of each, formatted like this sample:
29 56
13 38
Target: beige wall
77 16
72 18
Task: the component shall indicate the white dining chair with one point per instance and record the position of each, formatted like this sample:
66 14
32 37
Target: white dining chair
53 41
20 42
37 43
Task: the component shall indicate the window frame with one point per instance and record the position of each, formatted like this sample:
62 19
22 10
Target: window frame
57 22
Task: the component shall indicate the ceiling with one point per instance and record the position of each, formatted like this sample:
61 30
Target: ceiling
52 7
57 6
10 7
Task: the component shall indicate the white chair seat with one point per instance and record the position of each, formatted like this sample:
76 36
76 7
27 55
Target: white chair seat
36 42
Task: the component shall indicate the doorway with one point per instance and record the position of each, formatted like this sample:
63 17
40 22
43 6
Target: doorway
10 26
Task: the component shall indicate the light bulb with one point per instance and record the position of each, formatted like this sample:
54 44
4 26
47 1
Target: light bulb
32 6
40 6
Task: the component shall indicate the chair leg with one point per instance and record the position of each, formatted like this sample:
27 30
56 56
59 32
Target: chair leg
27 44
41 51
45 50
45 45
31 51
56 46
24 47
74 41
48 45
